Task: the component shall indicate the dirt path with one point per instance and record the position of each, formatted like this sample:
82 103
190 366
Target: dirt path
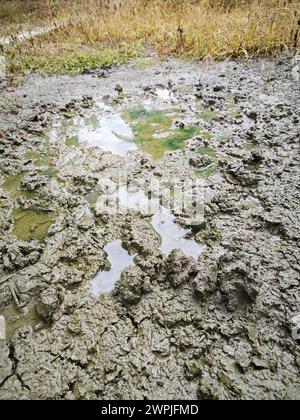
217 318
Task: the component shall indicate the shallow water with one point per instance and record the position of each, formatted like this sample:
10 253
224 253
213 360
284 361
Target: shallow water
249 202
32 224
140 127
12 185
173 236
206 114
110 133
163 221
232 109
155 131
119 259
165 94
14 320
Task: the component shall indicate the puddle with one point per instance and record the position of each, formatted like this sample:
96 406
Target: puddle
14 320
119 259
31 224
275 239
154 130
12 185
40 159
141 127
232 109
136 201
212 168
207 151
224 135
250 147
110 133
165 95
173 236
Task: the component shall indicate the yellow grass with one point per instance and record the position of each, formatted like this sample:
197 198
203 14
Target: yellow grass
202 29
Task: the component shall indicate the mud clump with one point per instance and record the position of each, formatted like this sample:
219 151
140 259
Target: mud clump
220 324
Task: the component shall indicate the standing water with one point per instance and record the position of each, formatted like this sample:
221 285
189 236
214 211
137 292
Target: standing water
119 259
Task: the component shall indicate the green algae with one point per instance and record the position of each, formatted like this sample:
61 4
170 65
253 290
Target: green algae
72 141
207 151
232 109
12 185
40 158
206 114
154 130
32 224
16 320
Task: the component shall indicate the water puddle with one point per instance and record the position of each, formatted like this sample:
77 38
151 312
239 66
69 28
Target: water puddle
165 94
275 239
251 147
206 114
119 259
12 185
40 159
173 236
110 133
210 169
223 136
14 320
32 224
232 109
155 131
141 127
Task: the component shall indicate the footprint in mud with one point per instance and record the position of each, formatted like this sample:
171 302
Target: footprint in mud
119 259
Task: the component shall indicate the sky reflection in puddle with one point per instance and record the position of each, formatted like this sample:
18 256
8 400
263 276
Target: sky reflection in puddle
119 259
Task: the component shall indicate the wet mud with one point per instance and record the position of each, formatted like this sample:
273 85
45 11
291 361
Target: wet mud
140 303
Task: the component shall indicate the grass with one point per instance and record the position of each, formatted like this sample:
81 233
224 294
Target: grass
97 33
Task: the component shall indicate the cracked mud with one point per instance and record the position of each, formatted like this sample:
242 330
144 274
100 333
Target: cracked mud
181 311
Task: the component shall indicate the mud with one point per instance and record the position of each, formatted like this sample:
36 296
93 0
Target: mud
218 320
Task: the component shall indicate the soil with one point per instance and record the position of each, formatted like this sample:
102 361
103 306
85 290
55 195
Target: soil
221 324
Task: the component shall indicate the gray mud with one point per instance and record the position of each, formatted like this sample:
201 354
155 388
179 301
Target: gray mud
223 324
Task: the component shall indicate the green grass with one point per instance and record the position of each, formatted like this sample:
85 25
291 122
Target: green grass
92 34
74 62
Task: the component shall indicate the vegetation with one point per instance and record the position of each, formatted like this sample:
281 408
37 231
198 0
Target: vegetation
99 33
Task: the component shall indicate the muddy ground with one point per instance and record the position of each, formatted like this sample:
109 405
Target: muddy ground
219 325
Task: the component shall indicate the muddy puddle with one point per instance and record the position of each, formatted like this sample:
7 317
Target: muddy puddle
144 126
172 235
32 224
119 259
15 318
217 315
